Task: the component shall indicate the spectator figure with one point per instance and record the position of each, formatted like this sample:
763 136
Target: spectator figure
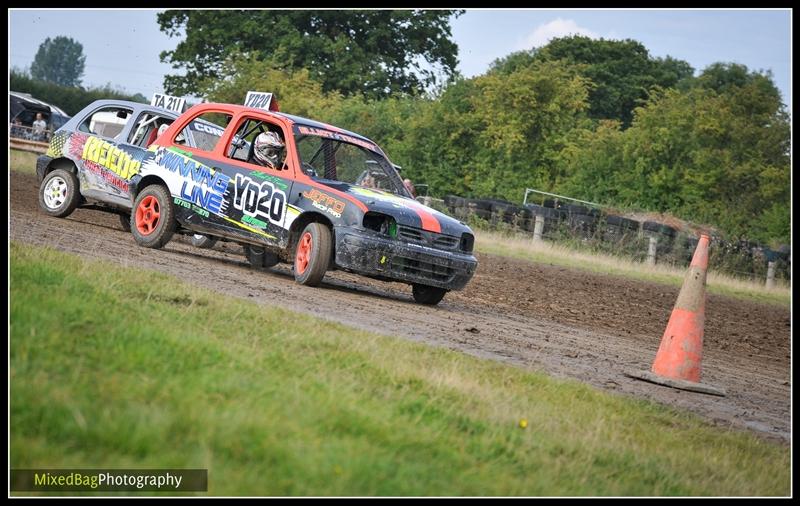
368 181
39 128
16 128
410 187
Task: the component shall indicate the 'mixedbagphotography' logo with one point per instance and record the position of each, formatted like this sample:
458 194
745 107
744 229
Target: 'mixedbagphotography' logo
109 480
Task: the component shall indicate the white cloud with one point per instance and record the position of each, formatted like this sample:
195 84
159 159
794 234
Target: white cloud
554 29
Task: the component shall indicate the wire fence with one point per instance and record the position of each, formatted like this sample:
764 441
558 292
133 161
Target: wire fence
597 230
29 133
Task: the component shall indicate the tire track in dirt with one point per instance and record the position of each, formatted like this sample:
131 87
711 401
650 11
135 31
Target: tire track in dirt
568 323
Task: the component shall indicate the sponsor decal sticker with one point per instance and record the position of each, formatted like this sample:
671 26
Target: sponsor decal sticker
280 183
201 185
325 202
106 175
193 207
111 157
319 132
206 128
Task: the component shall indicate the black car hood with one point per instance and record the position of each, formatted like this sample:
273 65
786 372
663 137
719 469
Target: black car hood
404 210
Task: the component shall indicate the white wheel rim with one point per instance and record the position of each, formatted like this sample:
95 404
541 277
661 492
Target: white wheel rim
198 237
55 192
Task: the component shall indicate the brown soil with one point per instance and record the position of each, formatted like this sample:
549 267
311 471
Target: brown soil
565 322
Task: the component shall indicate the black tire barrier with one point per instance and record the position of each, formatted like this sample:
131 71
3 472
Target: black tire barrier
583 224
659 228
546 212
501 206
618 229
454 201
525 213
484 205
576 209
622 223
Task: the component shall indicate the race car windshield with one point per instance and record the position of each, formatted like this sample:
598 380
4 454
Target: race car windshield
332 159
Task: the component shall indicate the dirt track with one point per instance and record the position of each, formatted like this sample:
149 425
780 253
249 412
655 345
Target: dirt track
565 322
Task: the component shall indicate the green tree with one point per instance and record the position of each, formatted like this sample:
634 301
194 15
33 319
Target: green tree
59 61
494 135
622 71
68 98
716 152
294 90
374 53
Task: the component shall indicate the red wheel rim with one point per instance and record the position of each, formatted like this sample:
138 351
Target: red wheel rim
147 215
303 253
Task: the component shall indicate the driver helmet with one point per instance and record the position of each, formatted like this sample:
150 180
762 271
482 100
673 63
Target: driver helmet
267 148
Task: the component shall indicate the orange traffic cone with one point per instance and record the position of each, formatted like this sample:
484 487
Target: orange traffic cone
678 361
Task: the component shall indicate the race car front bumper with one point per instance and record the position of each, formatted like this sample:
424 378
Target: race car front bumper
377 256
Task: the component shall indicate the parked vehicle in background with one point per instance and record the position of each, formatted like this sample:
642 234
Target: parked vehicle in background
23 109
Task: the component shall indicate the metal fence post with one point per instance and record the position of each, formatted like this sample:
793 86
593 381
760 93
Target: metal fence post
771 275
651 251
538 226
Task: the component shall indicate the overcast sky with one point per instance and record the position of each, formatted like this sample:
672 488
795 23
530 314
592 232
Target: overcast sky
122 46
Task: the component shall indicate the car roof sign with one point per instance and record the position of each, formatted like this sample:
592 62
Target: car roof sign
168 102
261 100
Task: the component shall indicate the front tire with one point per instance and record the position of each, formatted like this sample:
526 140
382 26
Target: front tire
428 295
58 193
153 217
312 255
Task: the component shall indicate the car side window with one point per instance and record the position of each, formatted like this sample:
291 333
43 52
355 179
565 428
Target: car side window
243 145
204 131
146 128
107 122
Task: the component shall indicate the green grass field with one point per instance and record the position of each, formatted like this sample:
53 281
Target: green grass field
22 161
114 367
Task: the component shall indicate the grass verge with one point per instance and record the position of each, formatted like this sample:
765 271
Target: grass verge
546 252
22 161
119 368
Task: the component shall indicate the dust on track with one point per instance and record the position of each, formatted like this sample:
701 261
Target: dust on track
565 322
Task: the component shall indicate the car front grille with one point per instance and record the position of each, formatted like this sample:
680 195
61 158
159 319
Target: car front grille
432 239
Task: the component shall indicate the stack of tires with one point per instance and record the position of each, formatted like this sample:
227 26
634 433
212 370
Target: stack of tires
505 212
582 220
456 206
552 217
664 234
480 208
618 230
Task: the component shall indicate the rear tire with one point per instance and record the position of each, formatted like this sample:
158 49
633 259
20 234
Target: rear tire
153 217
259 258
58 193
428 295
203 241
312 254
